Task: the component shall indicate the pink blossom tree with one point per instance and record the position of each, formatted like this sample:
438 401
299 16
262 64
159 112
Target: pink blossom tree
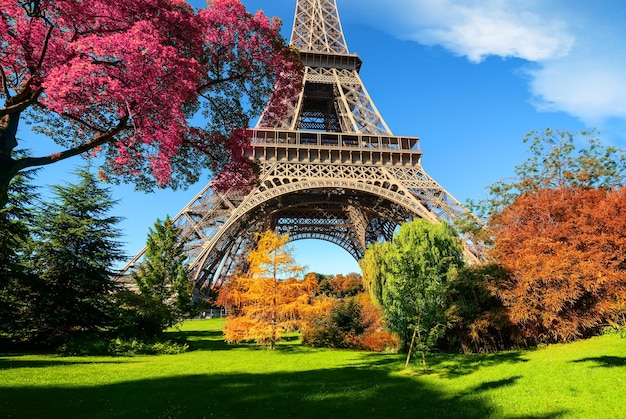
122 80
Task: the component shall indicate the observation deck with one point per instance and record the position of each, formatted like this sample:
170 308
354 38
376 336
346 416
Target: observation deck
330 147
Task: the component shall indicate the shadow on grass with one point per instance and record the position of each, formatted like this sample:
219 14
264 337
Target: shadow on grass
452 365
605 361
448 365
214 341
330 393
13 363
490 385
205 340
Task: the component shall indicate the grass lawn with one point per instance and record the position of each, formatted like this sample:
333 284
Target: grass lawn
585 379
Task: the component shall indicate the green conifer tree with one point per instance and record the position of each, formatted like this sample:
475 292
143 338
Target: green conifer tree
15 278
163 274
75 249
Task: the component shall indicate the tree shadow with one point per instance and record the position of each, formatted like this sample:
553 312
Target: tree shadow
451 366
214 341
205 340
14 363
605 361
349 392
491 385
381 360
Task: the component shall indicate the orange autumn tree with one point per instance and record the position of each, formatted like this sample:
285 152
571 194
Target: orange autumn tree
565 251
268 300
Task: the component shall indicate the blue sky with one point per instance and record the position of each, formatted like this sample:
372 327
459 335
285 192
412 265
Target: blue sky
469 77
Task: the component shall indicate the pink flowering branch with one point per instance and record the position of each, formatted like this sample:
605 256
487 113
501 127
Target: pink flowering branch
127 76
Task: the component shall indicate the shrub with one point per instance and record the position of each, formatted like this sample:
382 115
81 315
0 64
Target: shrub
91 345
323 335
353 323
477 319
141 317
380 341
339 328
134 347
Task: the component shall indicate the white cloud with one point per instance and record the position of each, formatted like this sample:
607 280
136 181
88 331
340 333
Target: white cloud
576 46
477 29
492 28
592 89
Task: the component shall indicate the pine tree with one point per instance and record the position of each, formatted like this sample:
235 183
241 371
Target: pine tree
73 258
268 300
162 276
15 278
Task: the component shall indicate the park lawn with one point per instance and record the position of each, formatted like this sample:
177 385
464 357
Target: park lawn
585 379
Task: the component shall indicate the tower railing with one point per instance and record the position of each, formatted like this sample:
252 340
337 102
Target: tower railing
315 139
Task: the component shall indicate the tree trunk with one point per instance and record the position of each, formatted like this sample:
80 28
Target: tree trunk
8 142
419 336
274 302
5 179
408 356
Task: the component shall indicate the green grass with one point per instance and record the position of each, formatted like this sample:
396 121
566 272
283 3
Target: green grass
585 379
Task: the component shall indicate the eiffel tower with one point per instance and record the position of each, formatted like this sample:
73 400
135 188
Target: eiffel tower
331 170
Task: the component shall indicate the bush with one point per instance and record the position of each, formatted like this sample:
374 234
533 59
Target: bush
477 319
134 347
381 341
91 345
353 323
340 328
323 335
347 316
141 317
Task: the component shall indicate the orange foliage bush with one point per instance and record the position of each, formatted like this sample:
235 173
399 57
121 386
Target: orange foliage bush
346 285
380 341
565 251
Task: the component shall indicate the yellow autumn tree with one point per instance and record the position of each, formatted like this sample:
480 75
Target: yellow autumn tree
269 299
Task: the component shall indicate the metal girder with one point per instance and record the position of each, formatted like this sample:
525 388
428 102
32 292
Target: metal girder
317 28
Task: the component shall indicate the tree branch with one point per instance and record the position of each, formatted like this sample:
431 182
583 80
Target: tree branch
71 152
88 125
5 83
206 85
22 101
45 46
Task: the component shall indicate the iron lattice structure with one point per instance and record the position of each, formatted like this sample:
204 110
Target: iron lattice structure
331 170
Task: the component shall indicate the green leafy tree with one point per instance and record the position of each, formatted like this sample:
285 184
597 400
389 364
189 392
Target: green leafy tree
138 317
558 159
73 257
373 270
162 277
414 274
